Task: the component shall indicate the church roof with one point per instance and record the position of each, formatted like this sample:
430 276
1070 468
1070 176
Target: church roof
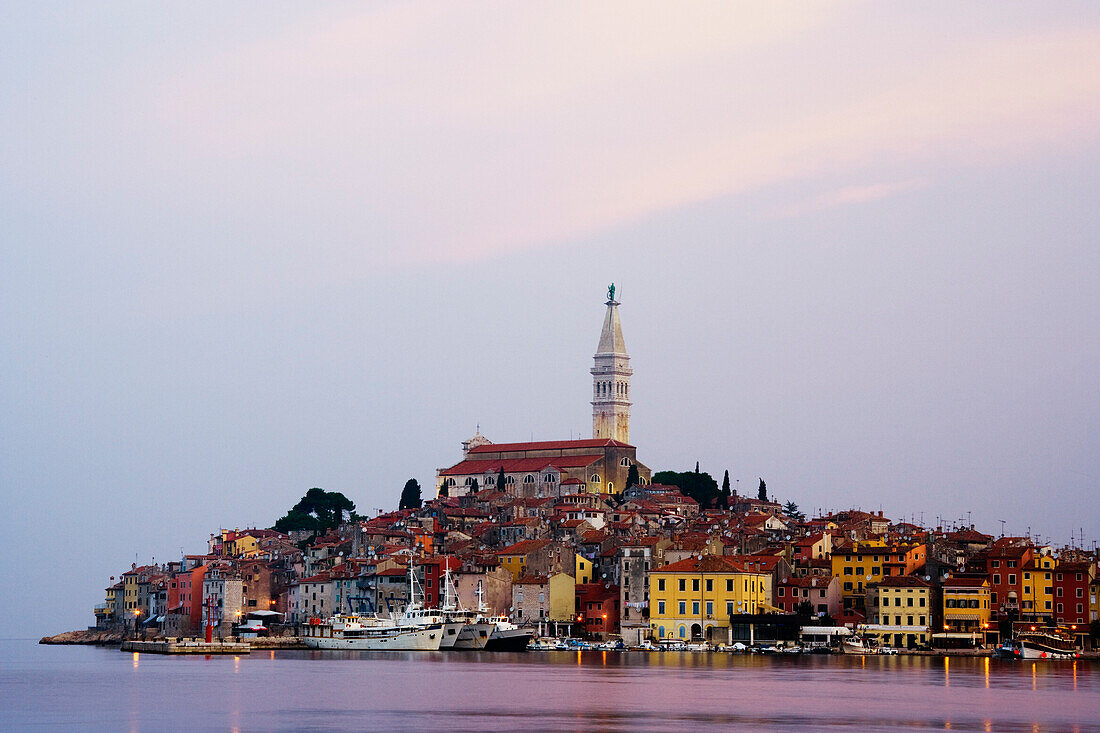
549 445
611 337
520 465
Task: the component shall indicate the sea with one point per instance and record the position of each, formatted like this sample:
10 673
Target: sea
65 688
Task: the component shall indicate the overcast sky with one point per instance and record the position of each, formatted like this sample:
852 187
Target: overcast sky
246 251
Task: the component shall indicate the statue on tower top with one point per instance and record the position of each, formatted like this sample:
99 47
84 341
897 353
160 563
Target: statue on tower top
611 292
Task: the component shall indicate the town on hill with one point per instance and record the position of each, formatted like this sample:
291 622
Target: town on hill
579 538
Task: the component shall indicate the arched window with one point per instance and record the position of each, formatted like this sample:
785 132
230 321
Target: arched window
528 479
550 478
509 480
610 488
595 478
624 462
450 482
682 632
660 632
469 480
490 480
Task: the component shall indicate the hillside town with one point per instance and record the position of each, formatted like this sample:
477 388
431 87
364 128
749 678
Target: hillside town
578 538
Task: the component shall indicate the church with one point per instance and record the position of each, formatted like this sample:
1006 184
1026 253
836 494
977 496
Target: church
555 468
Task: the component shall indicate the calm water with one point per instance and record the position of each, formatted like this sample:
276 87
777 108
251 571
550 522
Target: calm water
65 688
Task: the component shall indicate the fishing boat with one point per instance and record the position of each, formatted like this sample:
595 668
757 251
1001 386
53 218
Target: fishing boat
1039 643
471 629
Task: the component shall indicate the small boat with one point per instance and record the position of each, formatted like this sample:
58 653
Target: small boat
854 645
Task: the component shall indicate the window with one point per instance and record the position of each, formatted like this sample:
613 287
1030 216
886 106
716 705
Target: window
595 478
624 462
683 585
710 585
683 608
661 607
729 586
695 608
996 578
710 608
996 563
542 597
1012 579
1027 576
780 591
922 622
660 584
695 585
848 586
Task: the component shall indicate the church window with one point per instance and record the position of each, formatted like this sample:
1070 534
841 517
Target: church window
528 479
610 488
510 480
595 478
490 480
469 480
550 478
624 462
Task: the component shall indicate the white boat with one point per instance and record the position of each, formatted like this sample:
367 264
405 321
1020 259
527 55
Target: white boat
506 636
414 629
362 632
853 645
469 629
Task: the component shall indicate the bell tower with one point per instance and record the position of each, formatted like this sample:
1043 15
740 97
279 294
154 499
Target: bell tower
611 378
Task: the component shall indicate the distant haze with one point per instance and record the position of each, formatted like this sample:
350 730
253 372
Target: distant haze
249 250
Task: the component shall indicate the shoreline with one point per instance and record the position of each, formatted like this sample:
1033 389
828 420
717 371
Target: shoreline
100 637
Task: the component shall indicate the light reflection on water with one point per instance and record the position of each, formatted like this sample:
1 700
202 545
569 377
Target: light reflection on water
56 688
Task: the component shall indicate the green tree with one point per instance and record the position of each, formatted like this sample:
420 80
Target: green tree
726 495
791 510
410 495
763 491
632 477
317 511
474 486
444 490
501 481
699 486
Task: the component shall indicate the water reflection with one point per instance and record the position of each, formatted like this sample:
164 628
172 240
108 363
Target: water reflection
135 660
636 691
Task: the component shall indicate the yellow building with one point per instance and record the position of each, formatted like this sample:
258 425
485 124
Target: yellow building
695 597
860 564
966 612
1037 589
522 558
583 572
899 611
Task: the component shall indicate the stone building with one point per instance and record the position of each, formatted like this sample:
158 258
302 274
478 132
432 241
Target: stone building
599 465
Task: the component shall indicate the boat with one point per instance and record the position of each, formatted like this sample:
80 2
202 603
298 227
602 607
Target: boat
1039 643
414 629
466 629
367 632
854 645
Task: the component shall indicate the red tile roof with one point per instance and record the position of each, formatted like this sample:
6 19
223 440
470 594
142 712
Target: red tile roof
524 547
706 564
549 445
519 465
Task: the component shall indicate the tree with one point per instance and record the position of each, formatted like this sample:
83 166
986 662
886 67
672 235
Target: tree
410 495
699 486
763 492
474 486
697 467
444 490
632 477
804 608
501 481
726 495
317 511
791 510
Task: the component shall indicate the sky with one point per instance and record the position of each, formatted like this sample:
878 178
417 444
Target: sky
247 249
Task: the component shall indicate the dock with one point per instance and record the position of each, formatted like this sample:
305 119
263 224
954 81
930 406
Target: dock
186 646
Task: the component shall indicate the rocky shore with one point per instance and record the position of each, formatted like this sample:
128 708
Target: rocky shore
101 637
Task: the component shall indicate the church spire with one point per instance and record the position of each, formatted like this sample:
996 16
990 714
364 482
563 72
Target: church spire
611 378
